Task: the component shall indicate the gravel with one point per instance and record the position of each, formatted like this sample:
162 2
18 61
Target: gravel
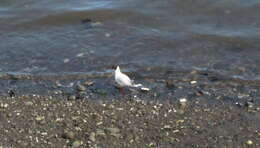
49 122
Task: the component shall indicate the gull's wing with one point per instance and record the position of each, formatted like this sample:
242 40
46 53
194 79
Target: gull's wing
123 80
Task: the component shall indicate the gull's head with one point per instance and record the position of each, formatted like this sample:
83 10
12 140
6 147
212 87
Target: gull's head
117 69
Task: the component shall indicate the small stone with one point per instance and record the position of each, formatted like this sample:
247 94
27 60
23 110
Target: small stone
145 89
80 55
167 127
9 115
77 143
11 93
227 11
249 142
183 102
239 104
193 82
66 60
80 94
179 121
80 87
101 92
68 135
92 136
44 133
96 24
72 97
99 123
88 83
29 103
100 132
176 131
170 84
58 84
199 93
117 135
113 130
4 105
194 72
107 35
213 78
39 118
249 104
2 75
86 21
57 92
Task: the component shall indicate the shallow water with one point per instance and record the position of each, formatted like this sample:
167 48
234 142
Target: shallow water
87 38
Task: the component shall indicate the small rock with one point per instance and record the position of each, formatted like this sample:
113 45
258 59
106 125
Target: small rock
2 75
113 130
86 20
4 105
183 101
242 69
88 83
66 60
29 103
80 95
193 72
92 136
249 142
100 132
72 97
117 135
96 24
170 84
80 55
145 89
80 87
167 127
239 104
107 35
57 92
101 92
68 135
39 118
227 11
193 82
77 143
9 115
11 93
15 77
213 78
199 93
58 84
249 104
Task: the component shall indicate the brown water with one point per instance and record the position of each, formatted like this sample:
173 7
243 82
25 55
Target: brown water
72 39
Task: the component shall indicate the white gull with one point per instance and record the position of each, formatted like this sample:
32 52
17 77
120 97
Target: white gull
123 80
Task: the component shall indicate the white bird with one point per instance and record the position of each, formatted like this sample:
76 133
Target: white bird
123 80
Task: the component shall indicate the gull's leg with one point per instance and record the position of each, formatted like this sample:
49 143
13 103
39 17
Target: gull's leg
122 91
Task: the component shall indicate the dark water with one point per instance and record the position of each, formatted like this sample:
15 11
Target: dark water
86 38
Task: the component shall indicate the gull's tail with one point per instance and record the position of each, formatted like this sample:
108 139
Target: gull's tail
140 86
137 85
